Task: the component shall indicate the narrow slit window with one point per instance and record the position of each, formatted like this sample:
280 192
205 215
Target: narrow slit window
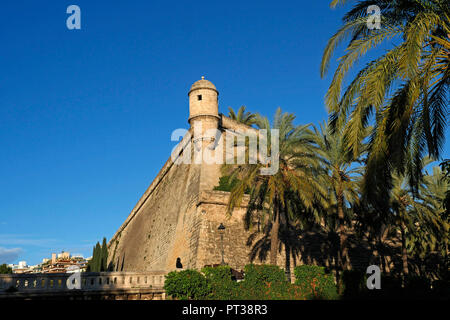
199 97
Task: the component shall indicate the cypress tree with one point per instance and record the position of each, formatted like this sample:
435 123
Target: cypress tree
91 262
97 257
104 255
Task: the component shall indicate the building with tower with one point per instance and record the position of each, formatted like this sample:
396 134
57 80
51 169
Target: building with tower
181 219
177 218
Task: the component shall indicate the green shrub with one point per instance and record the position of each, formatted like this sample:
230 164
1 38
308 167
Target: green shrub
262 291
315 283
227 184
261 282
220 280
187 284
217 274
266 282
4 269
267 291
260 274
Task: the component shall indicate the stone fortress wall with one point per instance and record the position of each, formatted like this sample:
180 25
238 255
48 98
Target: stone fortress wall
178 215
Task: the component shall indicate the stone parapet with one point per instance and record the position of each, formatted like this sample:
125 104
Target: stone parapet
100 283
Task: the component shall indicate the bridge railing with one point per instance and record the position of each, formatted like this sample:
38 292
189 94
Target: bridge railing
89 281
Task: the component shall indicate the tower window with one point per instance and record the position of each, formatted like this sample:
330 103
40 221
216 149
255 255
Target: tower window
199 97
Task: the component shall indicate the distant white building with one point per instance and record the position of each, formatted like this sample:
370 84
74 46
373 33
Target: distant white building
19 268
73 269
64 255
59 263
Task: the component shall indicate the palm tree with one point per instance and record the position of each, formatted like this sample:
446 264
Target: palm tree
415 68
293 189
242 116
419 217
445 167
342 181
436 232
401 203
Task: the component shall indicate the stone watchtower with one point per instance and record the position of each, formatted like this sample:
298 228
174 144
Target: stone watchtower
178 216
203 102
204 120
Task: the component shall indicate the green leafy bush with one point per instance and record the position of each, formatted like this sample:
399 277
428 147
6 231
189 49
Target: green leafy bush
260 274
4 269
266 282
187 284
268 291
217 274
315 283
261 282
221 283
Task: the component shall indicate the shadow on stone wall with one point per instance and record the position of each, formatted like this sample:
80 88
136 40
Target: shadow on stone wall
318 246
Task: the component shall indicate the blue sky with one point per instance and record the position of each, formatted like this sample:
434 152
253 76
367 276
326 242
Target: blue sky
86 115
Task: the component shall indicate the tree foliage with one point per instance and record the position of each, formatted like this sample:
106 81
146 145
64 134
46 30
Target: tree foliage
98 262
4 269
405 89
242 116
280 197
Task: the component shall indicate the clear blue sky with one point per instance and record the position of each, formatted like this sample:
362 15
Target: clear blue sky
86 115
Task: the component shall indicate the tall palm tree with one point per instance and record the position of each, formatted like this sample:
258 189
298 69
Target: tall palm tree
242 116
406 88
401 203
279 197
445 167
436 233
419 217
342 179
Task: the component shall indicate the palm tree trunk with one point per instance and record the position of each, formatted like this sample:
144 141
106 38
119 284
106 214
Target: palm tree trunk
342 254
380 252
405 270
446 253
287 252
383 261
445 265
274 235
